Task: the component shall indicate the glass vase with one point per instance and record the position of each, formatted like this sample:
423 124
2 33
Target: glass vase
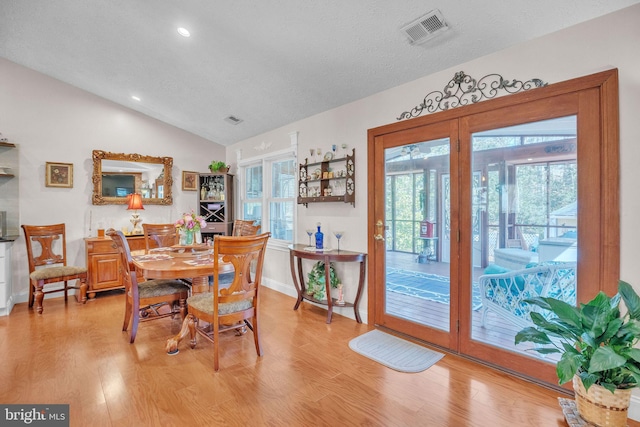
186 237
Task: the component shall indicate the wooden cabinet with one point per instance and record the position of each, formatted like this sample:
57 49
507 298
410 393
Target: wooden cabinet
215 202
103 262
332 180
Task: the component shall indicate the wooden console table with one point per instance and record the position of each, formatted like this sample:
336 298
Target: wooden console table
298 251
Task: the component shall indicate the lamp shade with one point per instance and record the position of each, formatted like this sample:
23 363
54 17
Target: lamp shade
135 201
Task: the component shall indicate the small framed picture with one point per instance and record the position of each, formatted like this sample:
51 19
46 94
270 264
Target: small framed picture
59 175
189 181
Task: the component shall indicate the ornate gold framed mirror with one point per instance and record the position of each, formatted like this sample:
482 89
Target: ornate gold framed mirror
115 175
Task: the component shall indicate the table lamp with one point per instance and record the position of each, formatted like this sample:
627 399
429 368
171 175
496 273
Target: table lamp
135 203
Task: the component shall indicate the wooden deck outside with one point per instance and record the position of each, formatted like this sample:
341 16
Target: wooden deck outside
497 331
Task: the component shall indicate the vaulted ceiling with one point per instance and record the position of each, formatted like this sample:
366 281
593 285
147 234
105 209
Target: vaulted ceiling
267 63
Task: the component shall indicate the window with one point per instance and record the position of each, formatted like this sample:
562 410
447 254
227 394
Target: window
252 196
268 194
281 199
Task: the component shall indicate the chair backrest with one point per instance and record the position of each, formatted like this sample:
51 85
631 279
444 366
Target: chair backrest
243 227
126 262
163 234
46 245
243 253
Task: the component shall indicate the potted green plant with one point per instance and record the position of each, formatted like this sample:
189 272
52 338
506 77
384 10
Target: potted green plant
316 285
597 347
218 166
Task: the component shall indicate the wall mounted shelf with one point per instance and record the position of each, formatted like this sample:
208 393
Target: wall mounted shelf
331 180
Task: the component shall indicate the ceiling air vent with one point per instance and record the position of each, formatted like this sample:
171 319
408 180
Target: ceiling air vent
425 28
233 120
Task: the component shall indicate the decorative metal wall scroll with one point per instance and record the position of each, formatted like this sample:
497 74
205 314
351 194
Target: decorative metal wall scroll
464 89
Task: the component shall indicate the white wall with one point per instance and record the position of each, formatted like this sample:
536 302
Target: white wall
604 43
51 121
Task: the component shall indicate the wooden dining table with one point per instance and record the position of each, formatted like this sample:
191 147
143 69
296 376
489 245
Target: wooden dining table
179 262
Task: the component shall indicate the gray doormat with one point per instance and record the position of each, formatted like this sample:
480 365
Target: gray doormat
394 352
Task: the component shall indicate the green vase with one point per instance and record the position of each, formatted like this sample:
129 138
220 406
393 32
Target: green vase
186 237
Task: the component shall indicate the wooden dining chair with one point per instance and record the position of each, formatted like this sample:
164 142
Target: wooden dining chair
242 227
142 299
47 256
234 307
163 235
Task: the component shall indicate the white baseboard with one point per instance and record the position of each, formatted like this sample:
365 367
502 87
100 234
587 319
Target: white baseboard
5 311
634 408
288 289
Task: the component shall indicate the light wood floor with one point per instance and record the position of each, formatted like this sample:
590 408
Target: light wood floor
308 376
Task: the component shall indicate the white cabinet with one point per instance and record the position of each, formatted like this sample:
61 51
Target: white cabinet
6 298
9 189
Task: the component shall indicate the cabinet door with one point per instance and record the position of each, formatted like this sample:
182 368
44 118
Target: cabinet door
105 271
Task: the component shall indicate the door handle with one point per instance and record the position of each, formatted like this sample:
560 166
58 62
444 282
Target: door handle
380 227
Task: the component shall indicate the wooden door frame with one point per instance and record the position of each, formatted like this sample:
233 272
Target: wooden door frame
603 238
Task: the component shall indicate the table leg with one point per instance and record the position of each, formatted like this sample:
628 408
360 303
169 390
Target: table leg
292 263
200 284
356 302
327 284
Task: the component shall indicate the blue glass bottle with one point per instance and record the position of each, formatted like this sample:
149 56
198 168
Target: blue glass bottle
319 238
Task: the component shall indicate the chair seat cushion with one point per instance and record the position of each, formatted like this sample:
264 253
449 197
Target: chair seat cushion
204 303
58 271
159 287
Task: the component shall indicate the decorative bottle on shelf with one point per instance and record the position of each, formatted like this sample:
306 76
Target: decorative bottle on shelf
319 238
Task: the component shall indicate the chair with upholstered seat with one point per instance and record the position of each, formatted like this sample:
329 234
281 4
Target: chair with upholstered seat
242 227
142 299
235 306
164 235
47 255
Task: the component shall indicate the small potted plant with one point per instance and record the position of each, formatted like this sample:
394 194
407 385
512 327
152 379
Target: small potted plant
597 347
316 285
218 166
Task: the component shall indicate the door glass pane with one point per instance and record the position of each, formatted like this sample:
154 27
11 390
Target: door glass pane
524 225
417 232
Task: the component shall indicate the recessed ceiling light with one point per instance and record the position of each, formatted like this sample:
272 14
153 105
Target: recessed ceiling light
184 32
135 98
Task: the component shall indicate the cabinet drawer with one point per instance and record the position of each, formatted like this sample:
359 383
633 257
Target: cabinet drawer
216 227
101 246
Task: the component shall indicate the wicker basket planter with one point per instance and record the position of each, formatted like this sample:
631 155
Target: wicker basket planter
601 407
221 170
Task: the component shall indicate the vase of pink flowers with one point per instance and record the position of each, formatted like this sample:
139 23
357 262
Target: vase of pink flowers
189 226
